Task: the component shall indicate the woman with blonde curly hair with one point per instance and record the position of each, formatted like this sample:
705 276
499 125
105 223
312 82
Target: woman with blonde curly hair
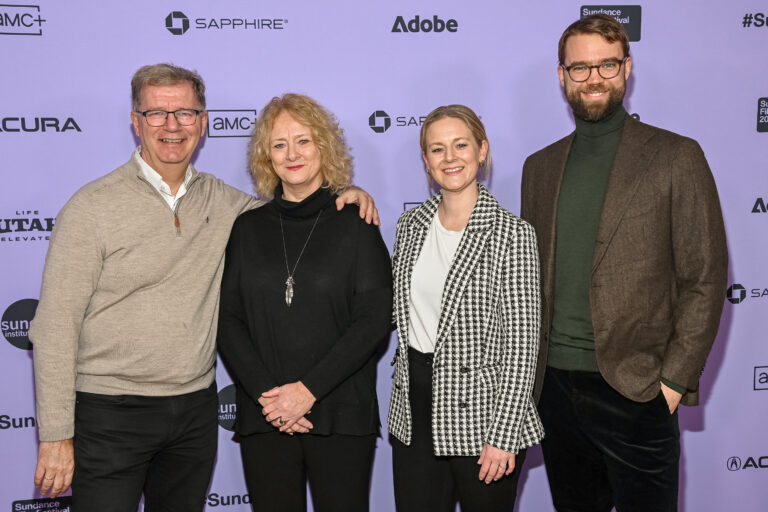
305 302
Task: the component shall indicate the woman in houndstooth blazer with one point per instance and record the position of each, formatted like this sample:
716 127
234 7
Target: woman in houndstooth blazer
466 305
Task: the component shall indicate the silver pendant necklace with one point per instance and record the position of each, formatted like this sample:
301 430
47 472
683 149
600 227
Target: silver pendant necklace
290 282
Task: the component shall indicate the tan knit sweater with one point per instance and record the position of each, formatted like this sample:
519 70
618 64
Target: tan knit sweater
129 300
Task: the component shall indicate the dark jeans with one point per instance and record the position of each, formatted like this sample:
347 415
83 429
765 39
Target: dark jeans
162 446
338 467
603 450
426 483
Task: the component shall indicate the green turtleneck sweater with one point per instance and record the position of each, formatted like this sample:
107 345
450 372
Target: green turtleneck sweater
572 339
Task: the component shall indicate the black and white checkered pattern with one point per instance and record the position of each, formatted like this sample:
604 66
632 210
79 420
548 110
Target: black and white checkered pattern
487 342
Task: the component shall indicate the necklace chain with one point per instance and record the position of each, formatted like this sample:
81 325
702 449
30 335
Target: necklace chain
289 282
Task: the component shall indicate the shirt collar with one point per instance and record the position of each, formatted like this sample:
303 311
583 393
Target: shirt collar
154 178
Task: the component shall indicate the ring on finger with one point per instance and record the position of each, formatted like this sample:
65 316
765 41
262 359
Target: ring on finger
281 421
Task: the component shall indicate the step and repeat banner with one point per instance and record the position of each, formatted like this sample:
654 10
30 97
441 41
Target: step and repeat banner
698 69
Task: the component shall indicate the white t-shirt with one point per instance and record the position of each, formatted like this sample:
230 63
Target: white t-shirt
427 282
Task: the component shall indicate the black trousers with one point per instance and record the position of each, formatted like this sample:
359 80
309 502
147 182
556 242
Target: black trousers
163 447
603 450
338 467
426 483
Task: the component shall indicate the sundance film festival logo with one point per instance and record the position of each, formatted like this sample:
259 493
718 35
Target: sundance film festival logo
761 378
628 15
15 323
426 24
231 123
20 20
762 115
26 226
58 504
178 23
7 422
227 408
753 462
736 293
379 121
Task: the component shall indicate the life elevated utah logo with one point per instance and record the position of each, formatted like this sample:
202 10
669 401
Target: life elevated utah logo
21 20
27 225
427 24
15 323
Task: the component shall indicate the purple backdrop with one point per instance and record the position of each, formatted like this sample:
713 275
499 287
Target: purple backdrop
64 120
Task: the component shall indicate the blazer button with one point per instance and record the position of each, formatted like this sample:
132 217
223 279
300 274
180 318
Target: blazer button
463 405
464 369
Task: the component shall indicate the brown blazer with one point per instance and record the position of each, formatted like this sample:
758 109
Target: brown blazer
660 263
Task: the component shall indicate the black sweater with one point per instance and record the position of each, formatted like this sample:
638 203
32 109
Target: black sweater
327 338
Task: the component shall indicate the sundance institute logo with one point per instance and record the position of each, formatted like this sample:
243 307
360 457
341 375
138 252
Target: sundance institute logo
177 23
15 323
227 408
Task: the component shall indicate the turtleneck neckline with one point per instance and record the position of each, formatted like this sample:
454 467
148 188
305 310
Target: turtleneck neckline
309 207
612 123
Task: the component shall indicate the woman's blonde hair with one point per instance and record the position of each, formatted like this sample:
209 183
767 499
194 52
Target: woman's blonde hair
328 137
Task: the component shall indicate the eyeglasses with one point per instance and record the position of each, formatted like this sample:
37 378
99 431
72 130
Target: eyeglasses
184 116
607 69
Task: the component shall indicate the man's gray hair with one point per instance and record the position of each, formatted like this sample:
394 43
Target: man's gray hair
166 74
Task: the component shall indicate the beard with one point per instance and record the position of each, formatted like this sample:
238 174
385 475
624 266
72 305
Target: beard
596 111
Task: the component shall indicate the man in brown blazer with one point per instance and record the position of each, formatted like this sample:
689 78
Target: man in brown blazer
633 271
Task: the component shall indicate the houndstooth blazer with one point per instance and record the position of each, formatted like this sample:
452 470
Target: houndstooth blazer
487 337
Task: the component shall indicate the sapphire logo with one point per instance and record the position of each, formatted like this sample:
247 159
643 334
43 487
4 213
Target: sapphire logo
733 464
177 23
379 121
231 123
736 294
20 20
15 323
227 408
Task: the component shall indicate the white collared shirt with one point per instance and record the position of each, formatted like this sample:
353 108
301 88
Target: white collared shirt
158 184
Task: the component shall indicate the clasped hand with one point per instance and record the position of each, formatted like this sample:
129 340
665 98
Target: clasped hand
286 407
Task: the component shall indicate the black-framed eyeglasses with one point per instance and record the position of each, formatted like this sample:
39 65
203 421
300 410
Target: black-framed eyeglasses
607 69
184 116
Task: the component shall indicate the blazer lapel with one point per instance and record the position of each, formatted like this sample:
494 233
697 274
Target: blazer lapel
550 178
469 251
629 166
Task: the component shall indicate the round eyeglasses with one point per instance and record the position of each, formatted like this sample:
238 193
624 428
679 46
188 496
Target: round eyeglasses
607 69
184 116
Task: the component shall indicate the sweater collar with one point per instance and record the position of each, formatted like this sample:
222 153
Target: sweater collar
309 207
612 123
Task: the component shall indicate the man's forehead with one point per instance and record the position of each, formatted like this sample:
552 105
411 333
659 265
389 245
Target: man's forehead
591 47
151 92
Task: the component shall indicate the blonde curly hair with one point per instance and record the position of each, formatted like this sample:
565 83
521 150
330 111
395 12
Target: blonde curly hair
336 161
